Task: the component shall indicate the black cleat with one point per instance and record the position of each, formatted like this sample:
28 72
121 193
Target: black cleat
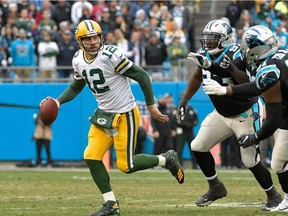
272 202
215 192
109 208
173 165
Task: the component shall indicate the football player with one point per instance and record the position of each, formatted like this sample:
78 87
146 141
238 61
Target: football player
270 78
238 114
106 72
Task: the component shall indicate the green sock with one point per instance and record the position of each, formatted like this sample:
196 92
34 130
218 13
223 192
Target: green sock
99 175
144 161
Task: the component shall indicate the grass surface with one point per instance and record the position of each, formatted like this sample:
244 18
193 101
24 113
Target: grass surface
61 192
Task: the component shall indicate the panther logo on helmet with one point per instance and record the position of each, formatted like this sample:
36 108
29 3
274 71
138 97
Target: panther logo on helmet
258 42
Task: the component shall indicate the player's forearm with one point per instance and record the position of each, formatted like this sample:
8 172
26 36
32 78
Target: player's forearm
239 75
245 89
71 91
142 77
272 122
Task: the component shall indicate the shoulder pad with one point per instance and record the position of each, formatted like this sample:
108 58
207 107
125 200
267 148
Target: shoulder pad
267 76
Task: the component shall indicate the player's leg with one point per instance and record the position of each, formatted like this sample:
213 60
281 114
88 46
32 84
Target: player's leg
125 142
280 165
245 123
213 130
98 143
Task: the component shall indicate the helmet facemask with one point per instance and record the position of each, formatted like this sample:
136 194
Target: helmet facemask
216 36
84 46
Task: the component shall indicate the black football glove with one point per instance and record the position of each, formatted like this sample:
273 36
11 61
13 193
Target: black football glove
247 140
182 109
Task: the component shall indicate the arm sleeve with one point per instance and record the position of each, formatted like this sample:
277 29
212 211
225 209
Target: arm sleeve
246 89
273 120
142 77
71 91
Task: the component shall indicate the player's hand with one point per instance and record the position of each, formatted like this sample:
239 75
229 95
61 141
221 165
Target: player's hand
200 60
56 101
226 62
247 140
212 87
181 110
156 114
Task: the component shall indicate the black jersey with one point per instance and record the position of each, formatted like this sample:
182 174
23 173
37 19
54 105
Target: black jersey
227 106
275 68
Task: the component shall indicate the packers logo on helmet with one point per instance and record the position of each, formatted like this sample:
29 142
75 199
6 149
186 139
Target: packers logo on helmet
89 28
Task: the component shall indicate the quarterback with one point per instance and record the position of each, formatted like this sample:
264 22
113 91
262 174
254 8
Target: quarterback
106 71
237 114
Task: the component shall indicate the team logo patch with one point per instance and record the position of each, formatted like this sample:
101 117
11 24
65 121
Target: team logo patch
101 121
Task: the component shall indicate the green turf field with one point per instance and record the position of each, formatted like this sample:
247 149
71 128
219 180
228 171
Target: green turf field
61 192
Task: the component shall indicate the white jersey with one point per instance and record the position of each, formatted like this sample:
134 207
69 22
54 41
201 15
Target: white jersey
104 78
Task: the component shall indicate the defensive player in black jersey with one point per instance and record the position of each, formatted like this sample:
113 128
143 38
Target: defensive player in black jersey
270 78
237 114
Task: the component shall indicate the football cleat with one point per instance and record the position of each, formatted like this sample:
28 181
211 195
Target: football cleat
283 206
272 202
173 165
109 208
215 192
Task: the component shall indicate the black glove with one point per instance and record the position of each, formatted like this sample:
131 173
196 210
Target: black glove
226 62
181 110
247 140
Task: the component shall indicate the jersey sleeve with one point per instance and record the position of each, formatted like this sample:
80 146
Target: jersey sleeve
267 76
119 61
76 74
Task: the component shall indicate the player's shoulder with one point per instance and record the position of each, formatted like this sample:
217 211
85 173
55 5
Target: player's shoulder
267 74
78 56
233 51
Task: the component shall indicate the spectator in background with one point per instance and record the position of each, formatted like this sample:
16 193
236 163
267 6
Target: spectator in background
185 134
162 132
270 23
67 49
137 5
23 55
245 21
47 22
136 51
106 23
85 14
141 137
233 12
4 57
155 53
114 8
173 32
24 21
281 36
77 8
122 25
155 11
62 12
97 10
42 136
110 39
127 17
121 41
48 50
176 51
182 16
63 26
34 13
164 21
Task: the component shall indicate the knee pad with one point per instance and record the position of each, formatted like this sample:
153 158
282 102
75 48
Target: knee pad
198 146
279 166
122 166
249 160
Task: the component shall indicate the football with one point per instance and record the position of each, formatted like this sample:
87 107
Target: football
48 111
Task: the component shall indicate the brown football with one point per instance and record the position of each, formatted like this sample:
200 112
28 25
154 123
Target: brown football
48 111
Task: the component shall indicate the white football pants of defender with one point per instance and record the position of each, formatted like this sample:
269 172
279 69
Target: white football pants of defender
280 151
215 128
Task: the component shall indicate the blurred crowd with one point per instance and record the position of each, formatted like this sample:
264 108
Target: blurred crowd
39 34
